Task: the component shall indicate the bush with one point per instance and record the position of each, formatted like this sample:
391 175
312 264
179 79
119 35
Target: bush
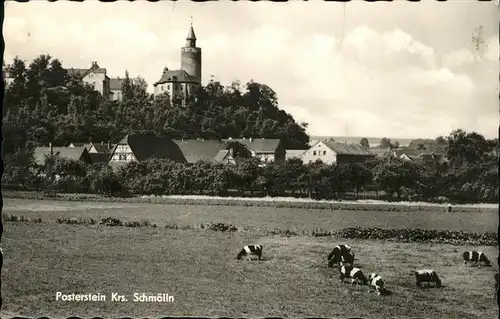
111 222
222 227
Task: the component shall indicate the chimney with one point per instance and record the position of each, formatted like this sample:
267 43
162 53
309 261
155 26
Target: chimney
231 152
250 139
102 142
51 149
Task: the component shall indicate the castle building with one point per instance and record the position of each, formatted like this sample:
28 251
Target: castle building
95 76
181 84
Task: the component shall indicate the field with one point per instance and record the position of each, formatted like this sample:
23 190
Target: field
199 269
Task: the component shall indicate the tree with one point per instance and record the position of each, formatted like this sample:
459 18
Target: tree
364 142
466 148
395 175
385 142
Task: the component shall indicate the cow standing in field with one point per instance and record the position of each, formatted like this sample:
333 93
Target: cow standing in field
250 250
427 275
355 274
341 254
476 257
375 282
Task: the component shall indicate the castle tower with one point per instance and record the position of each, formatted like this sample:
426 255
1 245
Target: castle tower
191 56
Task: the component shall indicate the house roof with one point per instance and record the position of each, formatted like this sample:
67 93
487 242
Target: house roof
294 153
205 150
72 153
170 76
222 155
101 148
258 145
147 147
99 157
191 35
80 144
348 148
83 72
115 84
380 151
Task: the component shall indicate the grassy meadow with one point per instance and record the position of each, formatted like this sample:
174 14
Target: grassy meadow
257 218
199 269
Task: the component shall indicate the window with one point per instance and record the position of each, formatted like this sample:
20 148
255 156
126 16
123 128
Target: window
324 152
314 153
168 86
122 157
161 87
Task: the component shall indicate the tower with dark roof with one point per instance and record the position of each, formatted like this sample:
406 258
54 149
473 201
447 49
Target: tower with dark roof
191 56
181 84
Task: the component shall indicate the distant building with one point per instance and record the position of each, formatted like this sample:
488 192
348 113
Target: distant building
267 150
335 152
115 88
98 153
419 156
70 153
181 84
95 76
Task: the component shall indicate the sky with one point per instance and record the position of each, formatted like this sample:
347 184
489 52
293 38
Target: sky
399 69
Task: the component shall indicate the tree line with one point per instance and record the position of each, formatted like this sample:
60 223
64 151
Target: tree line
466 178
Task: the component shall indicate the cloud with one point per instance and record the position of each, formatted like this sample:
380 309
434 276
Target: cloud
492 49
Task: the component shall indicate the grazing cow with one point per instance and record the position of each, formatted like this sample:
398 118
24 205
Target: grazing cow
355 274
340 254
427 275
250 250
376 282
476 257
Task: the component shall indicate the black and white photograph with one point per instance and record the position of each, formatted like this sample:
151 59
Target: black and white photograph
250 159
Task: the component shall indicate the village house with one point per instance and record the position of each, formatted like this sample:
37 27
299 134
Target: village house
95 76
419 156
136 147
334 152
99 153
266 150
115 88
71 153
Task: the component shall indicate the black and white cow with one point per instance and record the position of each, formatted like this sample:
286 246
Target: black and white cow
375 282
339 255
250 250
355 274
476 257
427 275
